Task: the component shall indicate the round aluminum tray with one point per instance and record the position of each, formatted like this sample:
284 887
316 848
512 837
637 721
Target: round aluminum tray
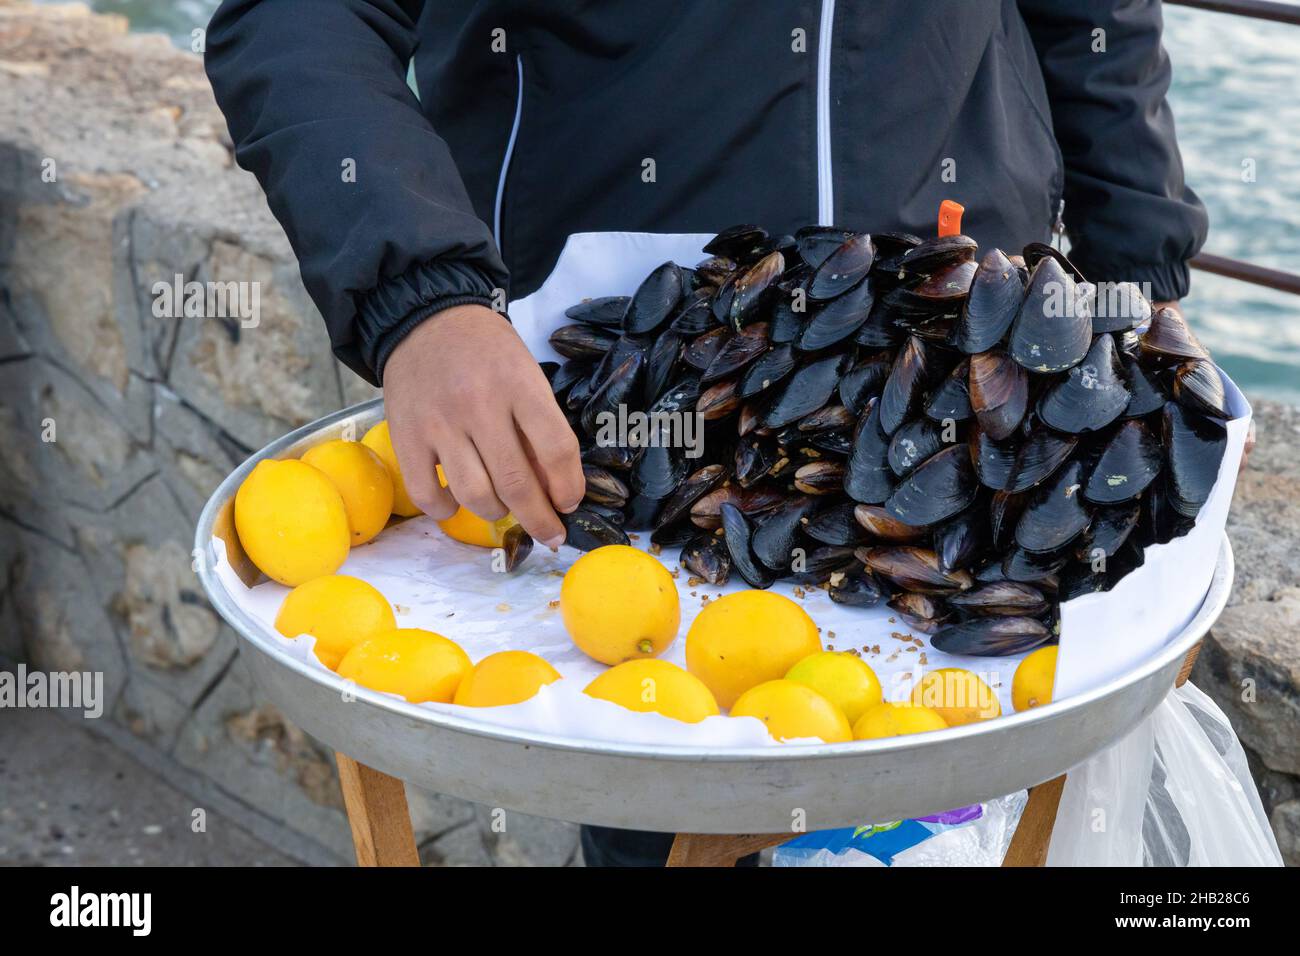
675 788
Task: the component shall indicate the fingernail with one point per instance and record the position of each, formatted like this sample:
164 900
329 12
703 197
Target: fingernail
555 542
570 509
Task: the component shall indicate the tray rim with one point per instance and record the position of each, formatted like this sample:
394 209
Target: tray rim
248 629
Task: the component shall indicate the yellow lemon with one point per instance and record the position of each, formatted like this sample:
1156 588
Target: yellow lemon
506 677
893 720
958 696
843 679
658 686
362 480
467 527
339 611
381 443
1032 684
412 663
291 521
792 710
743 639
619 604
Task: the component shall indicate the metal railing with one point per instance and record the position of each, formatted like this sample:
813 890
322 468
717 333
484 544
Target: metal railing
1222 265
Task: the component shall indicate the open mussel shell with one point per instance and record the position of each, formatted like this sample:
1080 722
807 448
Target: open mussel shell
950 400
1055 514
755 459
706 556
837 319
1001 599
843 269
924 612
805 391
913 443
935 254
606 311
999 392
940 487
1053 328
820 477
1194 445
1197 385
905 385
883 526
771 367
776 534
991 636
864 381
1118 307
582 341
740 243
753 286
1091 395
913 569
654 300
1168 339
991 306
1129 462
738 534
586 530
1043 452
855 588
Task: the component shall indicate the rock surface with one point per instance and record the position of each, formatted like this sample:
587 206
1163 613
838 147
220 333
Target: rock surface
116 425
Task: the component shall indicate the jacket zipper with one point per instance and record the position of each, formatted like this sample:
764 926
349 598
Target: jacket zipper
825 182
510 150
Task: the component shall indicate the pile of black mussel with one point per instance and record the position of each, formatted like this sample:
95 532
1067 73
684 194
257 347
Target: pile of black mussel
968 440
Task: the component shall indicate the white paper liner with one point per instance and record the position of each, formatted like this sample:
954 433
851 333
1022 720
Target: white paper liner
450 588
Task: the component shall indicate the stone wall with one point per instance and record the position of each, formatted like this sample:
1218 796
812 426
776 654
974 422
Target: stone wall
148 414
116 172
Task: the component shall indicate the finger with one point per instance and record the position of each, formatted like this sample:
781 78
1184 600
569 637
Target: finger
517 484
418 463
467 478
553 446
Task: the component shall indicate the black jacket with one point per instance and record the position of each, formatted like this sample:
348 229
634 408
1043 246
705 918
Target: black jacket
536 120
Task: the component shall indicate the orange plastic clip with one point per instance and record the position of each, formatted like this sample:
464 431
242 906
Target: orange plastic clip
950 218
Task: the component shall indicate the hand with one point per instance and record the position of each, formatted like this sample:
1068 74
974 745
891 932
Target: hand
461 390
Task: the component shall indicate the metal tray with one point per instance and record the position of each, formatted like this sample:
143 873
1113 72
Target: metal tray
677 788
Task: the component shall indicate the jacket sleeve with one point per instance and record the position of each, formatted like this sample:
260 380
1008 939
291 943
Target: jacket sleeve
312 91
1128 214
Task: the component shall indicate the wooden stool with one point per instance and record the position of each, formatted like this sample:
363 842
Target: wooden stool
382 834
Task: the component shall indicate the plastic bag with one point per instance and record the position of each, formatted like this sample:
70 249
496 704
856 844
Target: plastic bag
1175 792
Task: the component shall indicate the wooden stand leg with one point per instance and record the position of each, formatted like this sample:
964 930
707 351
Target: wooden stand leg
377 812
720 849
1034 831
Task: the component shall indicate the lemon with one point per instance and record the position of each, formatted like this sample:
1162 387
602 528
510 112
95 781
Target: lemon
412 663
843 679
506 677
1032 684
743 639
291 522
792 710
363 482
619 604
381 443
893 720
658 686
467 527
957 695
339 611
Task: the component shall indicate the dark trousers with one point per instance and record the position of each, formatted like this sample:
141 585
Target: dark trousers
607 846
